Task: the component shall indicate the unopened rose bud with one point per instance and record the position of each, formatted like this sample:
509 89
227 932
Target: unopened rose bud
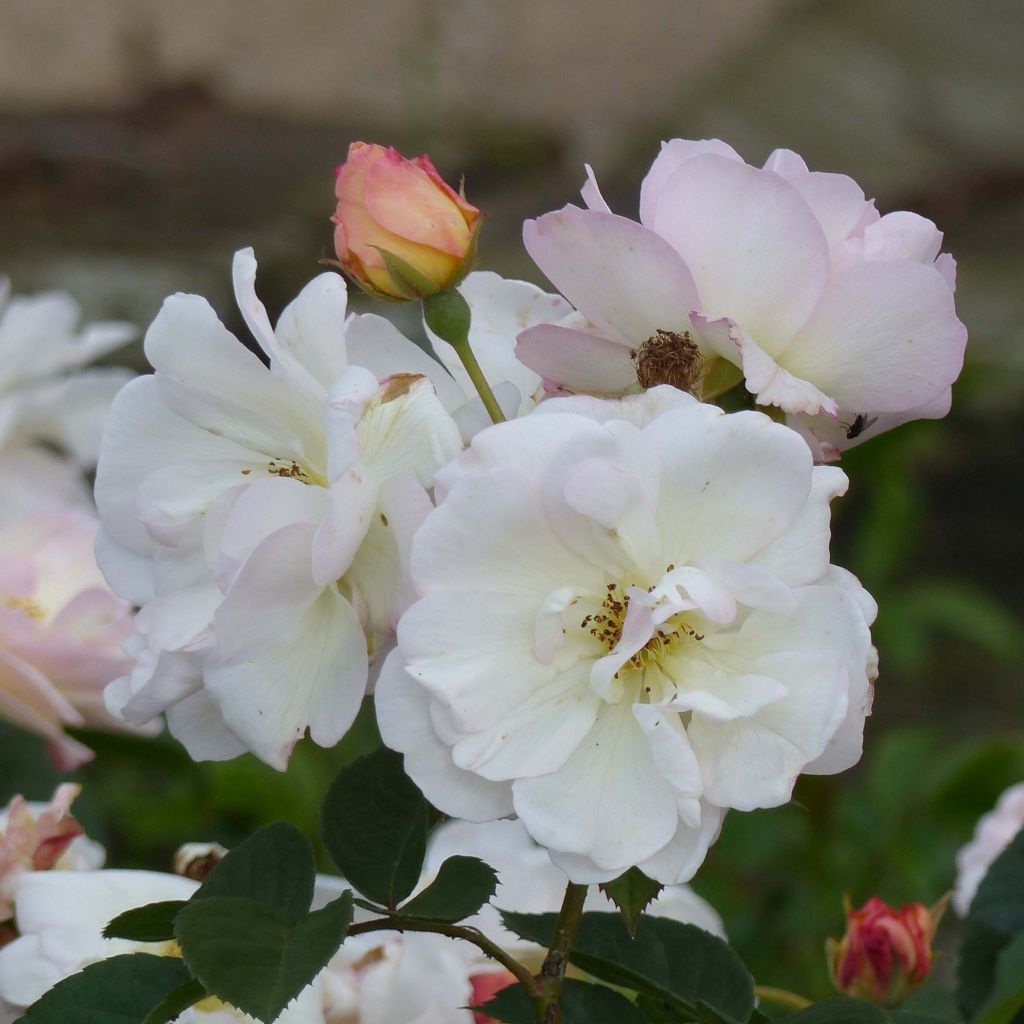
885 953
197 860
400 231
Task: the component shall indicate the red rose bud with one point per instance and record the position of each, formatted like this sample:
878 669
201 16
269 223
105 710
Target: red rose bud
885 953
400 231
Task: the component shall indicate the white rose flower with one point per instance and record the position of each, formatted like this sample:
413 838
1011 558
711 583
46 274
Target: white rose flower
628 624
61 917
47 393
259 515
993 834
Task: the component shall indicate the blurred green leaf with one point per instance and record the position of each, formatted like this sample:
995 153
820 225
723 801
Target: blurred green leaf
1006 998
995 919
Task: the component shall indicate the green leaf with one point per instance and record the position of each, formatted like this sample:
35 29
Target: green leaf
374 824
151 923
680 964
254 955
1006 999
995 919
840 1010
178 1000
632 892
512 1005
581 1003
119 990
461 888
273 866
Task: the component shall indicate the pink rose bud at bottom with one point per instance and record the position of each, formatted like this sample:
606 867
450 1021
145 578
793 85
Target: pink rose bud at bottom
885 953
401 232
485 987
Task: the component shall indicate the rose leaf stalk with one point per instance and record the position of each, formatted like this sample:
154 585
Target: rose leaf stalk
552 972
448 315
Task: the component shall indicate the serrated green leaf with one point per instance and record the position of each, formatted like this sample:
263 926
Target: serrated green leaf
461 888
273 866
1007 996
512 1005
840 1010
678 963
374 824
632 892
119 990
995 919
152 923
256 956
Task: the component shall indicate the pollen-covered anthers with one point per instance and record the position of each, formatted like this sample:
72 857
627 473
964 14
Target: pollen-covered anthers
668 357
289 468
26 605
606 627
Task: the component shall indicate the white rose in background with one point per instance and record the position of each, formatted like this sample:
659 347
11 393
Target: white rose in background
843 319
61 630
259 514
388 978
39 837
47 393
628 624
60 918
993 834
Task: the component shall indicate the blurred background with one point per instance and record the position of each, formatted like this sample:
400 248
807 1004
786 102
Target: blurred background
143 141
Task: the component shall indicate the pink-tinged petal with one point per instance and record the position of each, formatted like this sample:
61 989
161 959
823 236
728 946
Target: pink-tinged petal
757 252
591 194
786 162
902 236
609 801
763 376
946 266
884 338
577 360
621 276
673 155
403 715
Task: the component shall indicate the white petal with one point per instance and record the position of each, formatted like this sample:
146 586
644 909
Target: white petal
404 718
609 801
680 858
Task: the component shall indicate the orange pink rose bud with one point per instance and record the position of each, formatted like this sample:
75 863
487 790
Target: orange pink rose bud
401 232
885 953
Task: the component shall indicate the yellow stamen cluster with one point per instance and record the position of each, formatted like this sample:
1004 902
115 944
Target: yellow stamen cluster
26 605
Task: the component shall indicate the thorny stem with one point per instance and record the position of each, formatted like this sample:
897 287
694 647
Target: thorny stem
396 922
552 973
781 996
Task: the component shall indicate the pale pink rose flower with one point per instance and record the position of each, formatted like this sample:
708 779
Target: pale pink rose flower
40 837
994 833
61 631
784 277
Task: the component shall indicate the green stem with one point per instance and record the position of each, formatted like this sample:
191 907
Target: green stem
448 315
781 996
396 922
552 973
177 1001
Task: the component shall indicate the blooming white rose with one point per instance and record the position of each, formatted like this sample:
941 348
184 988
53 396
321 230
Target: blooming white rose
61 917
259 515
46 393
841 318
628 623
993 834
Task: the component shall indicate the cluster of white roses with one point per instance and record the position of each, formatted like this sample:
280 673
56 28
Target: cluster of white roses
613 615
